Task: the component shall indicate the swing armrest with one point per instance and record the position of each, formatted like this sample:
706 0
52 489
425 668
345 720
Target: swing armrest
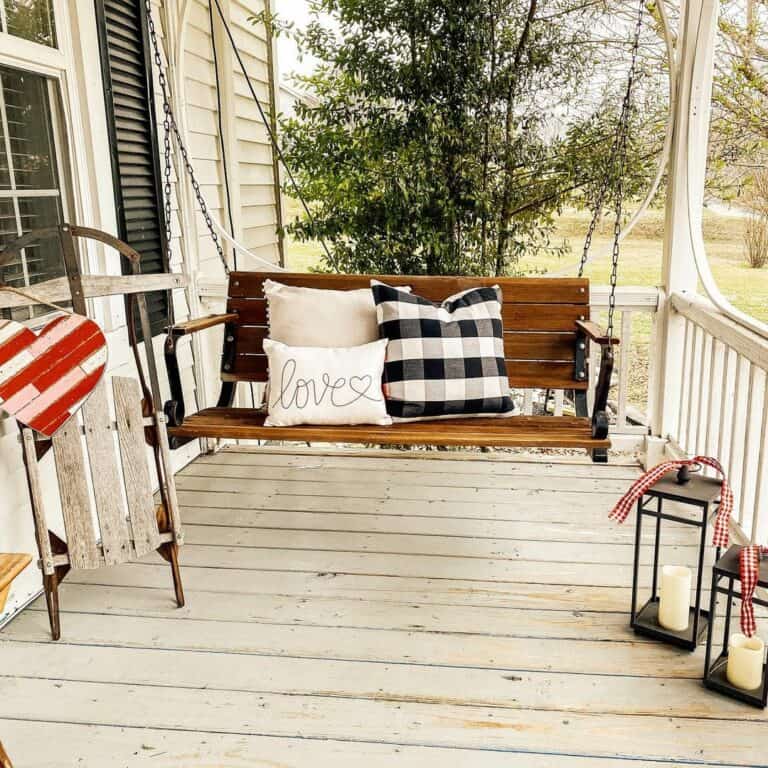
595 333
175 409
199 324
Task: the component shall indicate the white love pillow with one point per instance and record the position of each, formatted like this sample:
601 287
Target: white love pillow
325 385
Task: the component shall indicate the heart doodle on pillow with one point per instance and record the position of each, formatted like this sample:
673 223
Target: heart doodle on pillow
46 377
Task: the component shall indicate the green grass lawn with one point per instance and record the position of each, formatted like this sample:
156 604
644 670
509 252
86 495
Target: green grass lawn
640 265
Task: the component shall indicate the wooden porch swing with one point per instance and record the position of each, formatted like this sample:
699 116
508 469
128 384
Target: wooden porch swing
547 334
546 323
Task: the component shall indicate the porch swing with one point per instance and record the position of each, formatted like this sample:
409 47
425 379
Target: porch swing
546 325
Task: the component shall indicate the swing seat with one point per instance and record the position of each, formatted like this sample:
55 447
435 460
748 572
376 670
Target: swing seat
547 334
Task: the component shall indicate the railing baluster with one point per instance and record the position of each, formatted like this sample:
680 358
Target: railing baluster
684 393
624 350
711 395
735 421
559 398
752 371
528 402
697 443
690 440
760 476
725 400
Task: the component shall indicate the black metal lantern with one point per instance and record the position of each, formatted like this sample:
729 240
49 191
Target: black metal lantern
716 672
703 494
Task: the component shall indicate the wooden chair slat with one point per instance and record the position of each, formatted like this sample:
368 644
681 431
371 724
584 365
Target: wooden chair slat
107 485
71 472
138 486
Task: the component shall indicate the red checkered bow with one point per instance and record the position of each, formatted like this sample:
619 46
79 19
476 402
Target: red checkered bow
722 524
749 570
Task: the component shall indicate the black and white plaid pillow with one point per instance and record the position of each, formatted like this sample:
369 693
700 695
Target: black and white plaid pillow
443 359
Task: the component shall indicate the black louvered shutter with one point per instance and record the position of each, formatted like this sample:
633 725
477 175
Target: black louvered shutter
126 68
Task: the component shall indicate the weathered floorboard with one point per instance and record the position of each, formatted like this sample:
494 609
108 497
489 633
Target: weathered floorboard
361 609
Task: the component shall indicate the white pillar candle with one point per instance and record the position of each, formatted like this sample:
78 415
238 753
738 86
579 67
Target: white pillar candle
675 598
745 662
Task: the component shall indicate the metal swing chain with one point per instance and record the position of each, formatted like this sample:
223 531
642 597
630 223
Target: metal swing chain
617 160
170 127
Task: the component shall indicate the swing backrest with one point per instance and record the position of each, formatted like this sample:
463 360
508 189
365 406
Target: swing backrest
538 314
104 478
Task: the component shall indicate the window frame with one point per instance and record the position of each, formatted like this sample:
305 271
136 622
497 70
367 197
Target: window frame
51 64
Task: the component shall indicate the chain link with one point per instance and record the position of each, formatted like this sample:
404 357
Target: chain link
170 128
617 160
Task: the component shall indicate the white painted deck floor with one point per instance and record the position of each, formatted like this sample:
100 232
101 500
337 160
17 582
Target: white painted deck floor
350 611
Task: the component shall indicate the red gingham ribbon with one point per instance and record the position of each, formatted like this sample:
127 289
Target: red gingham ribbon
722 524
749 570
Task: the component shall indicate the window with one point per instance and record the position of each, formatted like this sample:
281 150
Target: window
135 160
29 19
30 192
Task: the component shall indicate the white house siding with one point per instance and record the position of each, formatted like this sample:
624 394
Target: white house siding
253 198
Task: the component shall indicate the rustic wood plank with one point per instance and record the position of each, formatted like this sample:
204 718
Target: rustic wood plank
116 747
432 545
483 466
362 477
71 473
517 346
435 288
573 532
390 588
105 478
653 737
138 486
234 479
554 621
517 431
426 684
58 289
640 659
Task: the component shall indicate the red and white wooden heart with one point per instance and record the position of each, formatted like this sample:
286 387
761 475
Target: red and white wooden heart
46 377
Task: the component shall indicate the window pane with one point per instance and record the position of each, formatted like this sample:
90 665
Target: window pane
29 196
31 19
29 129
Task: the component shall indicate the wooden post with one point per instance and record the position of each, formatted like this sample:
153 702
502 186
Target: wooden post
687 168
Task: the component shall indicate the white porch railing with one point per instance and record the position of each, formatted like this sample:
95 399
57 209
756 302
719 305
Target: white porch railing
723 405
635 325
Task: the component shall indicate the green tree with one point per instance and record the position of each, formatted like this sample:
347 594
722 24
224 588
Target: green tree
447 134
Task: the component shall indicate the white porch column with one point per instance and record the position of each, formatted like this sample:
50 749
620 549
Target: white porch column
687 169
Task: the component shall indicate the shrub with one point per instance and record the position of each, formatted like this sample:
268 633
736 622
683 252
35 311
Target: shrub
756 240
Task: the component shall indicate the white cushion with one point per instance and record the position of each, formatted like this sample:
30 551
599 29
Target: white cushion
321 385
319 317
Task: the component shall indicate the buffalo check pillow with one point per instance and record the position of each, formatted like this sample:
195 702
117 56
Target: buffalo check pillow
443 359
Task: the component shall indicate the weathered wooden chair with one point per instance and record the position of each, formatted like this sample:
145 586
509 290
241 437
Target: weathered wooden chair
104 468
101 464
